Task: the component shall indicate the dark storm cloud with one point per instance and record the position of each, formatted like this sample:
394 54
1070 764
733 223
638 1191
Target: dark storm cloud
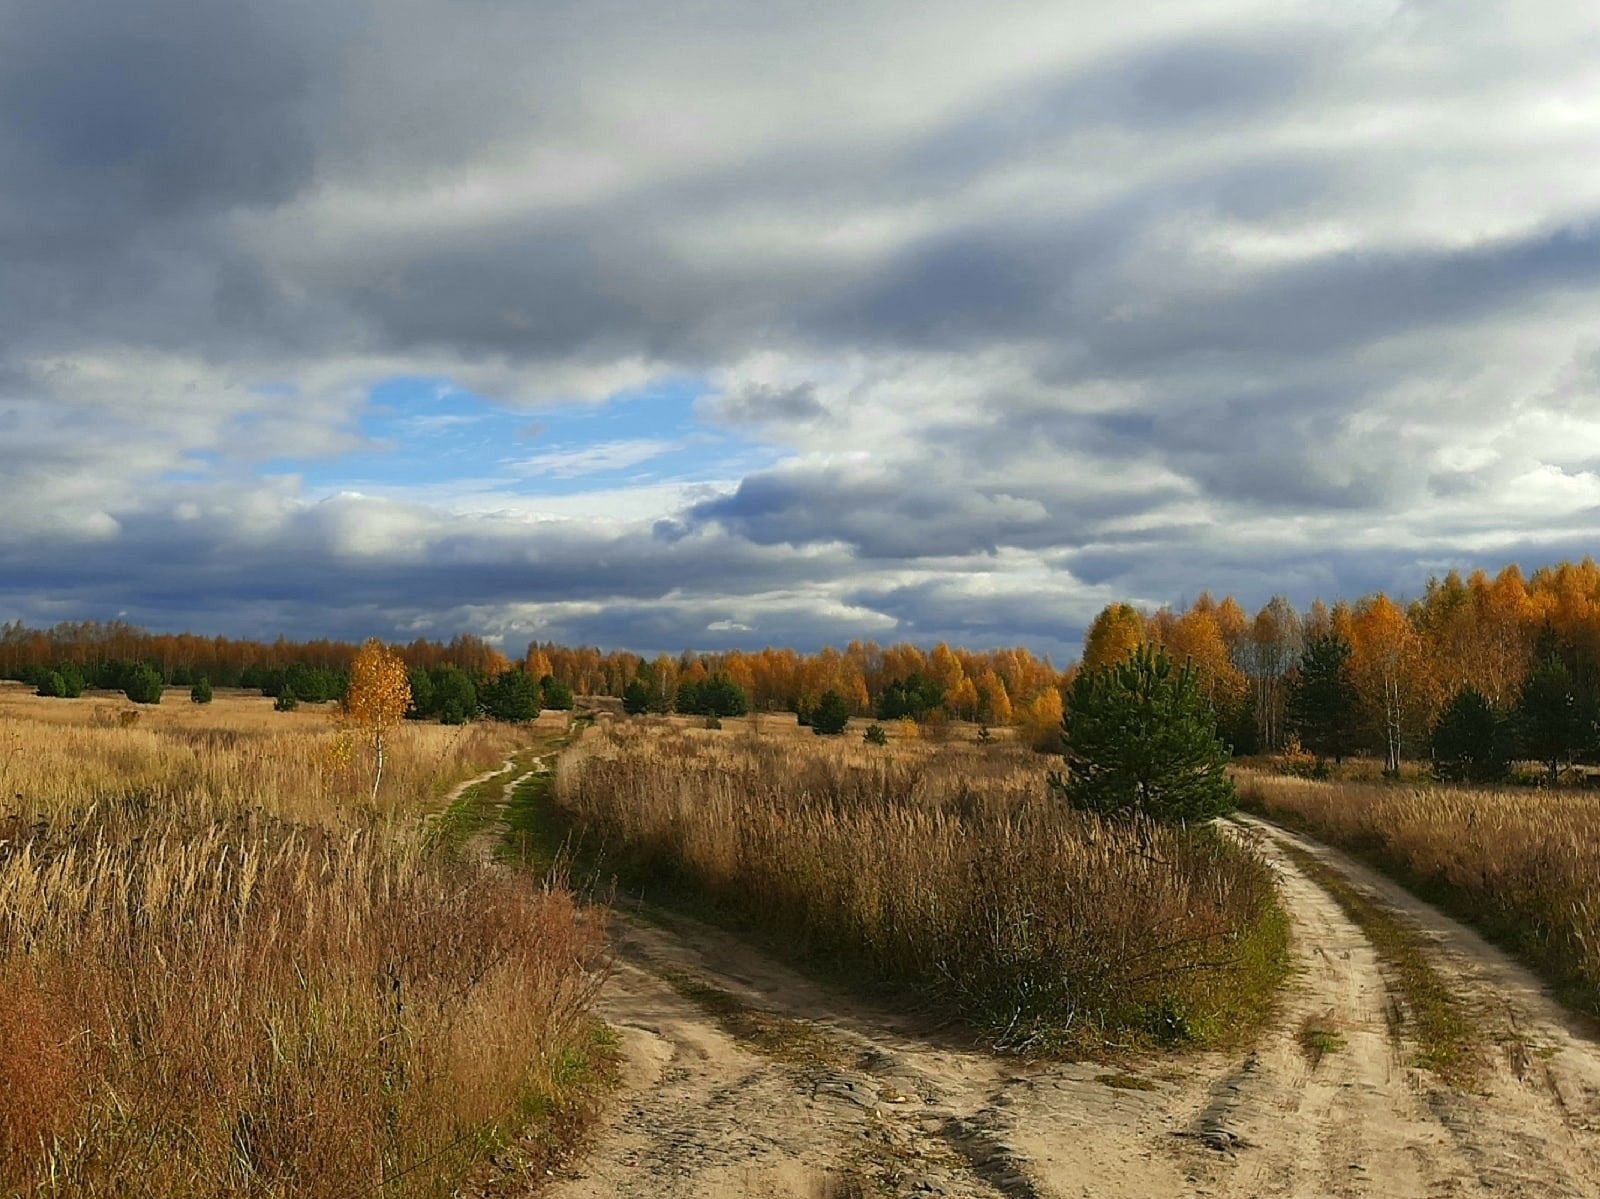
1038 306
130 133
1329 306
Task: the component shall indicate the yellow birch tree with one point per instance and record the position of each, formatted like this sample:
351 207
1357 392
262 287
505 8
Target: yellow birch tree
1389 669
377 697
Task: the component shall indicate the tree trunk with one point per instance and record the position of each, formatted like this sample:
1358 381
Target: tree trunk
377 775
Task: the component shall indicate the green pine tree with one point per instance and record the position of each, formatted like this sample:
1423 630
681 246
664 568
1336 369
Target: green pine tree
1322 699
636 697
144 685
512 696
1553 723
831 715
1469 740
1141 737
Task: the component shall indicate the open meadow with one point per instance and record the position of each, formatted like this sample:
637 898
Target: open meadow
225 971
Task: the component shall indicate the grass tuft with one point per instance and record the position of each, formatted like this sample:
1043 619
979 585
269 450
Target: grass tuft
1318 1039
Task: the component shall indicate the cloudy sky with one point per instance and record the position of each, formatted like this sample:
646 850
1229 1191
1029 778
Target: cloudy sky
707 324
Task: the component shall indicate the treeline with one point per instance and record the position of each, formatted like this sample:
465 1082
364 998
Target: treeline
1518 656
184 658
1476 672
890 682
1000 687
452 682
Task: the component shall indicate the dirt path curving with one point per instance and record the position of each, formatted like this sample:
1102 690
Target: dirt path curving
1531 1124
743 1078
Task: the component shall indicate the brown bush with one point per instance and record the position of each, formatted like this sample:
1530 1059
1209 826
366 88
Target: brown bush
38 1078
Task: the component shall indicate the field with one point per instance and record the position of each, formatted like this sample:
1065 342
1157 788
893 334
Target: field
947 870
224 972
1523 865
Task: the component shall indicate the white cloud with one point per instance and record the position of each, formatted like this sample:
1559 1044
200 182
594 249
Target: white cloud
570 462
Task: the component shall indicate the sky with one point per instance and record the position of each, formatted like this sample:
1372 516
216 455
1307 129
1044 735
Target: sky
715 325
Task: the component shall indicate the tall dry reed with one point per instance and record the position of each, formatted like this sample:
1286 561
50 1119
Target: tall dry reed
947 869
201 995
1523 864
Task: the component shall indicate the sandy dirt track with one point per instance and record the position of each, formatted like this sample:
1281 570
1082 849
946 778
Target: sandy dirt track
742 1078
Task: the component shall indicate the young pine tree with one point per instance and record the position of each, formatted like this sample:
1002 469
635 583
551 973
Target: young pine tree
1553 722
1469 740
143 685
1141 737
831 715
636 698
514 695
1322 698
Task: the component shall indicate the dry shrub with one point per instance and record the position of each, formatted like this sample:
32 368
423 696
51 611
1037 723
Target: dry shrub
260 1008
38 1080
947 869
1525 865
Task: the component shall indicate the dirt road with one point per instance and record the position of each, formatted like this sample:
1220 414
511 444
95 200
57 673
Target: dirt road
743 1079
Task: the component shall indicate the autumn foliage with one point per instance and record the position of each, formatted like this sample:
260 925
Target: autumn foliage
1406 661
1503 638
376 698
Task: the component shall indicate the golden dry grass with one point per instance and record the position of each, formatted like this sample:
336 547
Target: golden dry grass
944 868
1523 864
222 973
224 758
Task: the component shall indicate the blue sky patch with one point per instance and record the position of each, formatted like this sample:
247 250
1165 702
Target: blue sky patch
426 432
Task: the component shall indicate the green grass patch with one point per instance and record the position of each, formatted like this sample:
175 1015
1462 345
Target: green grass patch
1318 1039
478 806
536 835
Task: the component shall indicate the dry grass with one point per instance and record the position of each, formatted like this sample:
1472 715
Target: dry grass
945 869
221 974
1523 865
223 759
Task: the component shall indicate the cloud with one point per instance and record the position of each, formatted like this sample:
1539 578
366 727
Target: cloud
765 404
570 462
1003 313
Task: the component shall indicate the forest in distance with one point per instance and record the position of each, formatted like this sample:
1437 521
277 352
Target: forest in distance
1509 656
